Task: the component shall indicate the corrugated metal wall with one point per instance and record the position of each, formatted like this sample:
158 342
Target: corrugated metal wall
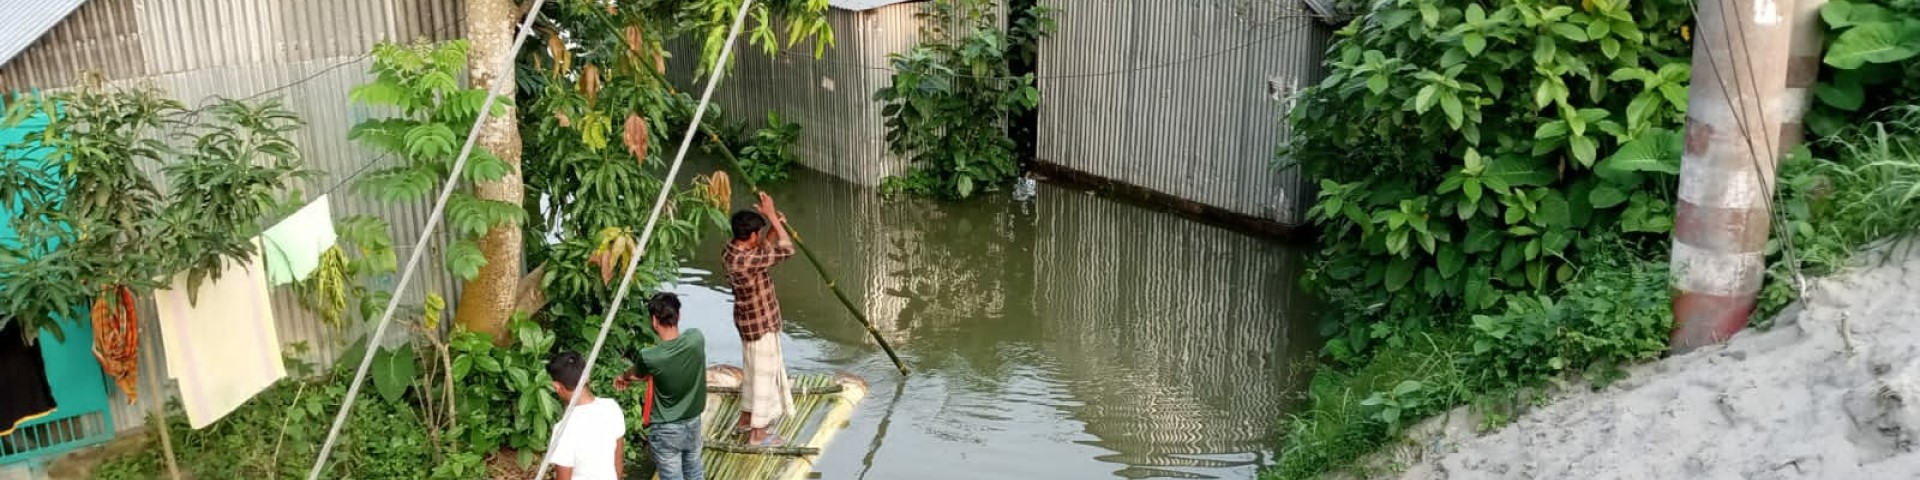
306 53
1184 97
830 97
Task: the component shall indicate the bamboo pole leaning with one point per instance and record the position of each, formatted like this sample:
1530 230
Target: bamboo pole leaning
819 268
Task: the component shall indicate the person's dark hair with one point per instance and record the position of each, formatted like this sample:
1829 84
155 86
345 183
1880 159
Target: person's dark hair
746 222
665 308
566 368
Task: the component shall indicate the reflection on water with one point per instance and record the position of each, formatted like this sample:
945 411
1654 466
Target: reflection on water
1070 337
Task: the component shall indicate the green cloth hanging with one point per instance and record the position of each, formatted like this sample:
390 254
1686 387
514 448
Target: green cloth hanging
293 246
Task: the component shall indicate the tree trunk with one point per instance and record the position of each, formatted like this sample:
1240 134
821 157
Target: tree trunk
487 301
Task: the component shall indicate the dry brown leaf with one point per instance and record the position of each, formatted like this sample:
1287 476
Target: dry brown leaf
590 82
634 39
560 116
636 137
720 190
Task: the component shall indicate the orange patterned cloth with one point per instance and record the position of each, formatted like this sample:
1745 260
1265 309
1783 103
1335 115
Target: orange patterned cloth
116 338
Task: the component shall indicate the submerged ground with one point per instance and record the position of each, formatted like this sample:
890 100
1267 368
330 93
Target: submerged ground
1070 337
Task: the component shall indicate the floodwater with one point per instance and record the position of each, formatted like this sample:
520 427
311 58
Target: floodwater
1068 337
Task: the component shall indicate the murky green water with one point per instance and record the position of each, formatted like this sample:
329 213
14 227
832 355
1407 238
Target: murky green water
1069 337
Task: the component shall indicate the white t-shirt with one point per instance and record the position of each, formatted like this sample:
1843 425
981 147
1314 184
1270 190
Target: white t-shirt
591 436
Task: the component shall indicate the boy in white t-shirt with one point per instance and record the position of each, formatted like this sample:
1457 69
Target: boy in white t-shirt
594 443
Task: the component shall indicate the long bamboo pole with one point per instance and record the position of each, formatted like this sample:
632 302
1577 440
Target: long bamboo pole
817 266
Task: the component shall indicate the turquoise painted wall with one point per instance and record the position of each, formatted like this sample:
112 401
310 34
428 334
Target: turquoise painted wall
79 386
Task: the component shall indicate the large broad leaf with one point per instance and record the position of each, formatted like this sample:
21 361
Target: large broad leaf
1881 42
1399 273
1843 13
1554 211
1845 91
1520 171
1656 151
1481 239
1606 196
392 371
1450 260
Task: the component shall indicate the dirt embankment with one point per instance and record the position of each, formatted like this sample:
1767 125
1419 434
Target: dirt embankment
1831 392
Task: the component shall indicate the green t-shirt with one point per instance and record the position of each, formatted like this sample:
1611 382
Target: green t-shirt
679 370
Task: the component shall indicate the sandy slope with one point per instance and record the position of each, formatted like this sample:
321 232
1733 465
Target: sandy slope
1833 392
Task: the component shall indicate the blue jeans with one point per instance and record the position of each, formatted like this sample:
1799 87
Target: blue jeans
676 449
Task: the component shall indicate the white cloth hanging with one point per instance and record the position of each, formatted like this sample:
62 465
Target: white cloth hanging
224 348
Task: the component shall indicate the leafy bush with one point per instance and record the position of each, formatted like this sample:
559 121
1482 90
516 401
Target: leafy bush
951 97
1602 321
769 155
278 432
504 397
1870 49
1468 151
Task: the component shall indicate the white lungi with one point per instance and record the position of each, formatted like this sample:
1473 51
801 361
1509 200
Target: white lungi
765 393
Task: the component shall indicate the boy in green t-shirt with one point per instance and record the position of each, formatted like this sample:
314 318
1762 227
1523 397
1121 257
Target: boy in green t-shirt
678 368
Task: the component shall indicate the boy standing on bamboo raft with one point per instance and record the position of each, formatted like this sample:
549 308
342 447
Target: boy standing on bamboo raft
754 250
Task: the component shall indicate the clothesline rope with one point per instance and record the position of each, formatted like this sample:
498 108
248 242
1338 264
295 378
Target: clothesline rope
420 246
646 234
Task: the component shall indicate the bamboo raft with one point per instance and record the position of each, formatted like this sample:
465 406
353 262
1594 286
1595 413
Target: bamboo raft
822 404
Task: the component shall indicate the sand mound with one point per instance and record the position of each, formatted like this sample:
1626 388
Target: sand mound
1832 392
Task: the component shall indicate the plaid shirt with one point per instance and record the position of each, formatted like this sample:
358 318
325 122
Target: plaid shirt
755 309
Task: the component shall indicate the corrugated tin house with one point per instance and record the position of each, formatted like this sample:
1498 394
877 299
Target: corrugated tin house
831 97
1182 97
308 53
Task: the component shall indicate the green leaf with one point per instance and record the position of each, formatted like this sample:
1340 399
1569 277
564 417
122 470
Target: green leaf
430 140
1399 273
1570 31
1481 240
1598 29
1872 43
1550 129
1475 14
1406 387
963 186
464 259
1606 196
1543 50
392 371
1450 261
1393 19
483 166
1473 42
1554 211
1655 151
1377 84
1429 14
1451 104
1424 100
1640 109
1516 170
1840 14
1845 91
1584 149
